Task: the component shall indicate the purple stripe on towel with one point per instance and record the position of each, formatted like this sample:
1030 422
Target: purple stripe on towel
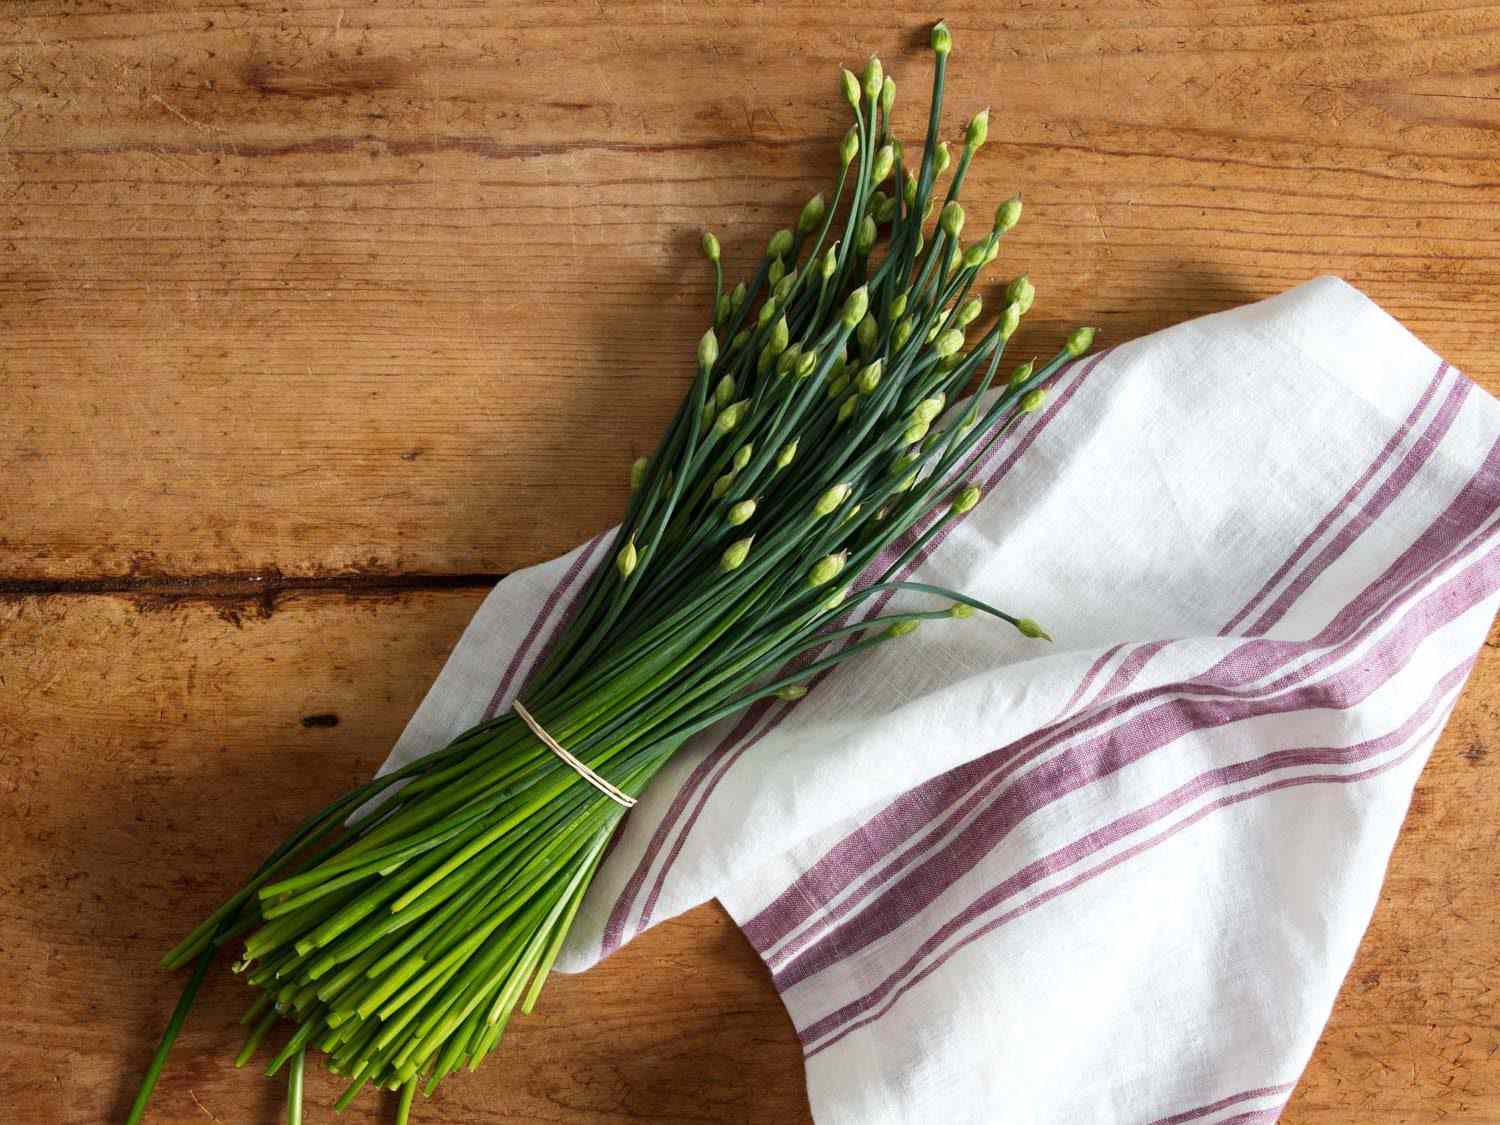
1223 1103
519 656
1344 501
1373 508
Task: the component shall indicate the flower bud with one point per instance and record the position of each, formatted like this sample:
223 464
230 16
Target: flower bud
849 146
721 311
788 359
731 416
979 129
901 464
765 361
867 334
780 334
916 431
898 305
1008 214
885 163
909 189
767 311
710 411
776 272
1029 628
949 342
737 296
724 392
951 221
942 158
968 312
1080 341
722 486
960 610
1022 292
736 553
955 256
830 261
1021 374
710 246
887 95
826 569
872 78
974 255
1010 320
741 512
902 332
837 386
836 599
1033 400
638 472
806 364
812 213
942 40
929 408
864 237
626 560
741 338
780 245
708 350
901 628
792 692
965 500
849 87
846 410
855 306
742 457
869 378
787 455
831 499
883 208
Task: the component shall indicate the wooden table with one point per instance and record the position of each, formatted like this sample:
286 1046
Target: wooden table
316 317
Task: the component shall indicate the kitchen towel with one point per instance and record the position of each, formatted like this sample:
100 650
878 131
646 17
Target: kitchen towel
1118 877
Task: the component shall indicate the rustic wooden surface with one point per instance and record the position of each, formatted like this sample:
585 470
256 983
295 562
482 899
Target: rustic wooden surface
317 316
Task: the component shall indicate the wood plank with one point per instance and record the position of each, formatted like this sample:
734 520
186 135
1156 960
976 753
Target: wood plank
145 748
306 287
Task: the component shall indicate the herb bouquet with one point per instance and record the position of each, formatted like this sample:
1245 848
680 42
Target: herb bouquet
816 434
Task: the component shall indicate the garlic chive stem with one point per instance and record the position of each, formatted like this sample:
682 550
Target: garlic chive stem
294 1089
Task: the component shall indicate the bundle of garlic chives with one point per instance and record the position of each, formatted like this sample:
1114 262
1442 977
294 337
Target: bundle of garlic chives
399 945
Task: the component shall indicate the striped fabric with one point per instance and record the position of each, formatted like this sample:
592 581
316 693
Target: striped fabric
1118 878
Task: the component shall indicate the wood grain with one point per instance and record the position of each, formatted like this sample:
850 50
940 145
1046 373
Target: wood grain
328 287
317 316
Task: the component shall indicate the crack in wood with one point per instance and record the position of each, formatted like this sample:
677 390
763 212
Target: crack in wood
264 587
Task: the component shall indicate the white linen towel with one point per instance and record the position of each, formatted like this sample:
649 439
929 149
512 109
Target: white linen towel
1117 878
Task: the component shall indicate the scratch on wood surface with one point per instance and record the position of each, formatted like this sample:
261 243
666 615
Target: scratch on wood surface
200 1105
